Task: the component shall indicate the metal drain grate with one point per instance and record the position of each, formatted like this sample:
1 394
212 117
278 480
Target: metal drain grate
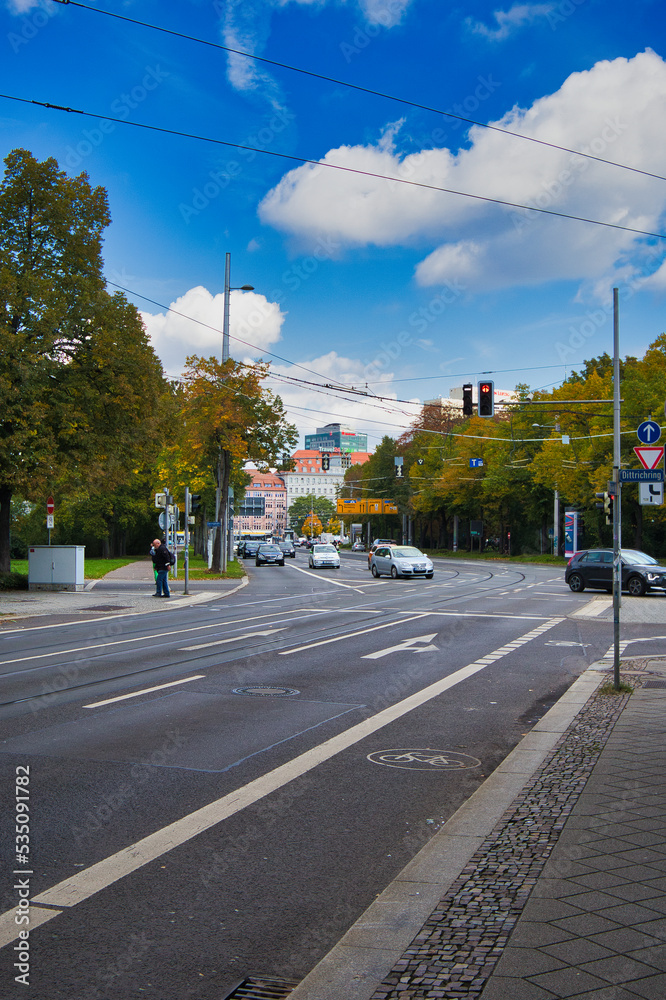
655 684
262 988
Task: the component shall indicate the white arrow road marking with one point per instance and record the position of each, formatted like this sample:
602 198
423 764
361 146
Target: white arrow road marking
350 635
407 644
233 638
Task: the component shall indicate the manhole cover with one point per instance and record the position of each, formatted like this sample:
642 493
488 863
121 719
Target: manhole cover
110 607
424 760
267 691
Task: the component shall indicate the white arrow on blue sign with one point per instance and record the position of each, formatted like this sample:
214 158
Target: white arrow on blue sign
648 432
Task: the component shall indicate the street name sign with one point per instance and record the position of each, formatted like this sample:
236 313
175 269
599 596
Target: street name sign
641 475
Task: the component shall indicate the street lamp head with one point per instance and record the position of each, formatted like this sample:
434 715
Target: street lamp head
247 288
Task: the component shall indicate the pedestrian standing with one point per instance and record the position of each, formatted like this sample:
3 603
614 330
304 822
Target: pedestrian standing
162 561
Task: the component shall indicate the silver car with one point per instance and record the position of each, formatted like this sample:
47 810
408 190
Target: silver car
400 560
323 555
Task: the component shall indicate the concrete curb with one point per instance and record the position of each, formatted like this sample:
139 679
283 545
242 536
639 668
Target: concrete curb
359 963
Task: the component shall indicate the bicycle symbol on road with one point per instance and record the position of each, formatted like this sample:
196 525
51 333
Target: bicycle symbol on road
420 759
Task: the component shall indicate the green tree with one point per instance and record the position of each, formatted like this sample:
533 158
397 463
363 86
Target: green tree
229 418
301 508
50 284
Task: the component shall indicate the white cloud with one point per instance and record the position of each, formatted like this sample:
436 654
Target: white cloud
194 326
613 111
509 21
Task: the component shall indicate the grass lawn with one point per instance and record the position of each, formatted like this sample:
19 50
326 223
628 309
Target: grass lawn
95 569
496 557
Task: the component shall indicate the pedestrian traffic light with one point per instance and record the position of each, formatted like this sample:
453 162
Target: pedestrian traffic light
468 406
325 462
486 399
195 502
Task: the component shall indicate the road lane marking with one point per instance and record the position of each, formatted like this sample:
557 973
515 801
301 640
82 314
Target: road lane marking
336 583
348 635
87 883
408 644
135 694
234 638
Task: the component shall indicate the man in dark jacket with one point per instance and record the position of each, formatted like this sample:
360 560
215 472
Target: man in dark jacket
162 560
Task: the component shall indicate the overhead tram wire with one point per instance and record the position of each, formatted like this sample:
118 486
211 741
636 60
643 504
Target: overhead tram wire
335 166
370 400
364 90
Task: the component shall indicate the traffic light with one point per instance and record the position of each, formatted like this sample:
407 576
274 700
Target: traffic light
195 502
486 399
608 508
468 406
325 462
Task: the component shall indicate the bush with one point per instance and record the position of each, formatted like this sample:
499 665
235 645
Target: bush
13 581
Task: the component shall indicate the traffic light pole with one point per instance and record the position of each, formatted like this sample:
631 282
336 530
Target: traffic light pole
186 557
617 506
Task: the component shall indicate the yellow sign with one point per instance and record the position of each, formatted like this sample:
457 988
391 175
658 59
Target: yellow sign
349 507
367 507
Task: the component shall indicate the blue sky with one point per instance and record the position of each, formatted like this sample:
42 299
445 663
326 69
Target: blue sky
400 290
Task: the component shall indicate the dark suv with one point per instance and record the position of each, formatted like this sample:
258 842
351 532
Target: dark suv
594 568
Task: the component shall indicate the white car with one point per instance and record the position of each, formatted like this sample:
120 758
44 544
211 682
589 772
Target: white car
400 560
323 555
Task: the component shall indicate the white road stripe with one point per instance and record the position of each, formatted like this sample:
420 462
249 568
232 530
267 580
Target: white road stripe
347 635
317 576
135 694
92 880
233 638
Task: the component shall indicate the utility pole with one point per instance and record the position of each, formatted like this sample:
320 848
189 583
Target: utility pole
617 505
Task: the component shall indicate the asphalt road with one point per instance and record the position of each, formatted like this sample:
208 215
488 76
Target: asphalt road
219 791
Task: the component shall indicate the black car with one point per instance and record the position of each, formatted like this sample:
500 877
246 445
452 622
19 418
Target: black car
288 549
594 568
267 553
250 546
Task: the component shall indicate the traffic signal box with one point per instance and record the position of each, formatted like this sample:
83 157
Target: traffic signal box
606 506
468 405
325 462
486 399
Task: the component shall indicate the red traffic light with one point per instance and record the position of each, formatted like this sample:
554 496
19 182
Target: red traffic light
486 399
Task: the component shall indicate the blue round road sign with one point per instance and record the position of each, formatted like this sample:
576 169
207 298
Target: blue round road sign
648 432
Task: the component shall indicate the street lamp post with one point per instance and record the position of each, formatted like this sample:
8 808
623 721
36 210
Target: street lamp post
227 292
227 546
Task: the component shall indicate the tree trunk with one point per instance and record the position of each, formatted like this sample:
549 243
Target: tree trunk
220 544
5 524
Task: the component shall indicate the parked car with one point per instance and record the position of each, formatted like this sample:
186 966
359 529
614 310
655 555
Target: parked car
250 546
400 560
323 555
268 553
358 547
594 568
379 541
288 549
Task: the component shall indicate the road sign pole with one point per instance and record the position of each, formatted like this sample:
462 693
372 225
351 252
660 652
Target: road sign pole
187 539
617 501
